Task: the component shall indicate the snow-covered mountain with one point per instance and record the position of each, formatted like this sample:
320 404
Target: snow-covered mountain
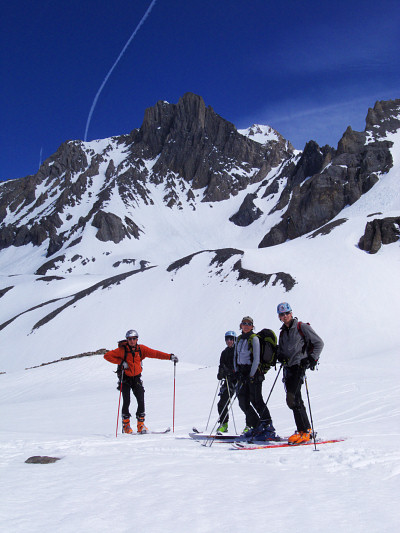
178 230
131 216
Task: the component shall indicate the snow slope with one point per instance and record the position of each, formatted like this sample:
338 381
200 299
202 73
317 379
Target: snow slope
155 483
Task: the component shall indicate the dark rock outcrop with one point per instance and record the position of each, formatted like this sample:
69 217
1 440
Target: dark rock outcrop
248 212
111 227
378 232
325 230
223 255
42 459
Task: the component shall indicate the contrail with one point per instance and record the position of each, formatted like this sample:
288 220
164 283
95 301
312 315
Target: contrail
115 64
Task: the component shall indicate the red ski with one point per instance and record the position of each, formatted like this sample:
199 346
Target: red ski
249 446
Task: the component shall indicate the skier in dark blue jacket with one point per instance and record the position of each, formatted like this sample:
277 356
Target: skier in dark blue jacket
226 373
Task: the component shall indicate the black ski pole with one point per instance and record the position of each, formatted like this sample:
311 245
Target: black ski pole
119 402
173 406
210 440
212 405
228 405
309 408
270 392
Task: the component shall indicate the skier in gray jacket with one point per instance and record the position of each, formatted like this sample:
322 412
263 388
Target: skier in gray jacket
299 349
249 385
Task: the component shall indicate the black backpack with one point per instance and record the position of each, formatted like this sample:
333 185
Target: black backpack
268 348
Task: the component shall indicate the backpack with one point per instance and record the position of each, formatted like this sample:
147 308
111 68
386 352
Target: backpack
308 347
268 348
124 344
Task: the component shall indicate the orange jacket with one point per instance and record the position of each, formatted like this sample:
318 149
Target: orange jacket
135 363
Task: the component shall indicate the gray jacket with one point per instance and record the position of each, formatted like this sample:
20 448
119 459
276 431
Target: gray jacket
245 356
291 343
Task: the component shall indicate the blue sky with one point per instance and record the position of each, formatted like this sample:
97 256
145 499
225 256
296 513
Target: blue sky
308 69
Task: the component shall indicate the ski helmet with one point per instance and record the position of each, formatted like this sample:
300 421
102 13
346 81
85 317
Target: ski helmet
230 334
131 333
283 307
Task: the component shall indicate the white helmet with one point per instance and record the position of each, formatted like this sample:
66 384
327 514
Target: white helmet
131 333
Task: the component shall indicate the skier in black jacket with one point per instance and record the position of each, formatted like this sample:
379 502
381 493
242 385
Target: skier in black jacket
226 373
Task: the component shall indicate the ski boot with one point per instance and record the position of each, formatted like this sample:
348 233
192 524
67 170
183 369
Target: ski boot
247 432
126 427
299 437
223 428
264 431
141 428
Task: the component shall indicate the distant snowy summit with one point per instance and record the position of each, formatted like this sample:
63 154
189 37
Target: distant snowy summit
261 134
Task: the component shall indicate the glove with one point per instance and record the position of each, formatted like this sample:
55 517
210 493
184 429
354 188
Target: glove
308 362
125 365
224 372
312 362
281 358
174 358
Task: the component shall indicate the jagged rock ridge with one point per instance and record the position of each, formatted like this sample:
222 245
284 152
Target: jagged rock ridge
185 147
323 181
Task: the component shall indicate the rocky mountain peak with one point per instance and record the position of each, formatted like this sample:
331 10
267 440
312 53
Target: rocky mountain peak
181 148
324 180
384 117
197 145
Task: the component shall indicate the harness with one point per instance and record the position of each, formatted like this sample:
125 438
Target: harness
124 344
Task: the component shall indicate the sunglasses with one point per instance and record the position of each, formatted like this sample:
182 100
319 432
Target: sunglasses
247 324
285 314
229 338
132 338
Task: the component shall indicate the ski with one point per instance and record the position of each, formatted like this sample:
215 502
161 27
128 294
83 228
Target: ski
219 438
254 446
231 438
149 432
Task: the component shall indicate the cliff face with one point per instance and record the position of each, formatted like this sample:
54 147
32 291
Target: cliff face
323 181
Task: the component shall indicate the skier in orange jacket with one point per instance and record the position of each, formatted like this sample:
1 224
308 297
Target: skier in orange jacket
128 356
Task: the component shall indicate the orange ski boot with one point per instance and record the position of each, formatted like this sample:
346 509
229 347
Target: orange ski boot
126 427
305 436
294 438
141 428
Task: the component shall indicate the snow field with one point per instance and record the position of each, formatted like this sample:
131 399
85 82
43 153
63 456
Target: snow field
170 482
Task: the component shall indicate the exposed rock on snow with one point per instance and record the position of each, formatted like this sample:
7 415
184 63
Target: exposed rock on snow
378 232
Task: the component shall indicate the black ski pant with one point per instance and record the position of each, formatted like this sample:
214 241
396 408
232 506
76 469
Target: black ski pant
293 378
226 393
136 385
251 401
